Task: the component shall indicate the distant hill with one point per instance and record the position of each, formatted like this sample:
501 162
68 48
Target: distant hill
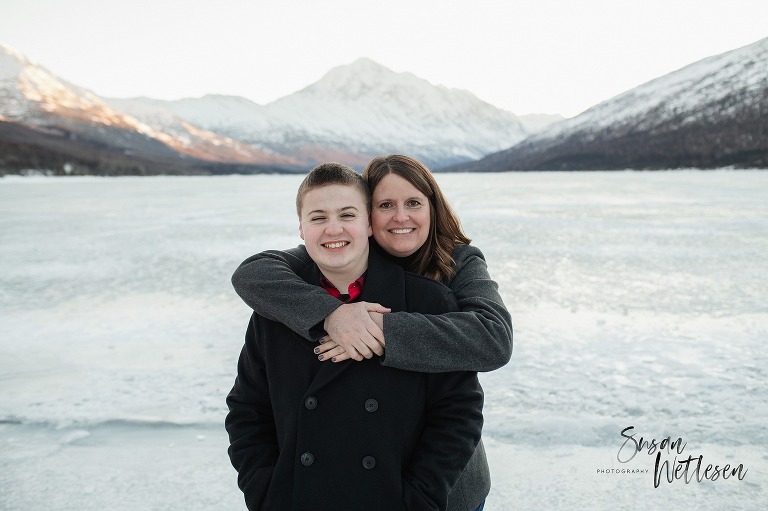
58 151
353 113
713 113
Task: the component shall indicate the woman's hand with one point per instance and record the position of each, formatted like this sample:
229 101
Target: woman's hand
355 330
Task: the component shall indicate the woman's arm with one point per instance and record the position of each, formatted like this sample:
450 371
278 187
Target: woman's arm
269 284
478 338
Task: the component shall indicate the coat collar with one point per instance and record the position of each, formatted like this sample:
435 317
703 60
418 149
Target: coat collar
383 283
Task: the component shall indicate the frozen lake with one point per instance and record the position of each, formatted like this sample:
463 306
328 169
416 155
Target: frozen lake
638 299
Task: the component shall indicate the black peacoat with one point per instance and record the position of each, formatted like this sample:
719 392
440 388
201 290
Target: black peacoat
310 435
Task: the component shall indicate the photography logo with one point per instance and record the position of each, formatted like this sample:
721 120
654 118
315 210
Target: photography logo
671 461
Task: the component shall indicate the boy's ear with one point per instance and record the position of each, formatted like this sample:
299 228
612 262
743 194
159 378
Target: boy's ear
301 231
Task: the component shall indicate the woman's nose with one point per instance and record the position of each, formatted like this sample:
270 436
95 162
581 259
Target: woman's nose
401 215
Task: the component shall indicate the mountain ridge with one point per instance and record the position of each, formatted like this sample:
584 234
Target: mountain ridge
364 109
34 97
707 114
710 113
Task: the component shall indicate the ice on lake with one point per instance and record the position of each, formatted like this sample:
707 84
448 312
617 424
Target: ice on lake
638 299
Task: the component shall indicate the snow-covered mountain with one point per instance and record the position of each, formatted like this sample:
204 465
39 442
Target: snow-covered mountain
354 112
712 113
213 111
359 110
32 96
709 114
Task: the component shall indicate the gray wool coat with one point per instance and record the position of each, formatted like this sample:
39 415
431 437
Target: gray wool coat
477 338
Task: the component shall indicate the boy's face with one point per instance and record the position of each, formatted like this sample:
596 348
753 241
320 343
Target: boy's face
335 227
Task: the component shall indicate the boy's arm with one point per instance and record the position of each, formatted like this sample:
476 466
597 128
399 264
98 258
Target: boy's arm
478 338
452 429
253 448
269 284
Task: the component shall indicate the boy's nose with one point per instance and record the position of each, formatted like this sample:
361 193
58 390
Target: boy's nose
334 228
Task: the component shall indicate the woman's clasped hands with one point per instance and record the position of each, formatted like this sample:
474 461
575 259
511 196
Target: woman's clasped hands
355 331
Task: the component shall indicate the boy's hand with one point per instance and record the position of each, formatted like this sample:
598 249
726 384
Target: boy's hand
353 332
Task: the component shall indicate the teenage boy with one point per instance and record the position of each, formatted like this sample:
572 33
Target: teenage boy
353 436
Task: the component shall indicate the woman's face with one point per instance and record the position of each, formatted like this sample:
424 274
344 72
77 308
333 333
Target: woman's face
399 216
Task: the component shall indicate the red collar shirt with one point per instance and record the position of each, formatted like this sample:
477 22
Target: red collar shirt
353 292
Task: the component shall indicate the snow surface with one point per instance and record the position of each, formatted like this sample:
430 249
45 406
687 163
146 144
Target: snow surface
638 299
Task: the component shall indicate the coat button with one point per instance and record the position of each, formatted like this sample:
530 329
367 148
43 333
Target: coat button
310 403
369 462
371 405
307 459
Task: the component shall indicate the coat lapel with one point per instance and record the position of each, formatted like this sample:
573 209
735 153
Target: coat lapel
384 284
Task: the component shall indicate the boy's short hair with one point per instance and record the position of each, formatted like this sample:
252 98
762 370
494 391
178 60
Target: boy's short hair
332 174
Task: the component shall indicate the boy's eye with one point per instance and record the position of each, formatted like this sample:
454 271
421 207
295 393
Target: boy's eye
348 215
317 218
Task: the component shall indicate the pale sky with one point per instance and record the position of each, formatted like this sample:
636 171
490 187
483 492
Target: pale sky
526 56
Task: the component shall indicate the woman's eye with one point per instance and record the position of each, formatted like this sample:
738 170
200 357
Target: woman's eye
385 205
413 203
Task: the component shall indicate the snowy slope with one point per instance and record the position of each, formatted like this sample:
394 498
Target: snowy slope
29 91
708 114
363 109
32 96
195 140
683 92
213 111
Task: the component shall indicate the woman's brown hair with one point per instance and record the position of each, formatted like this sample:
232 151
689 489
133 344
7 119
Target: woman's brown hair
435 257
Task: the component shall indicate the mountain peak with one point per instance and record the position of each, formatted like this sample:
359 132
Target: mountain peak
11 62
4 48
362 74
367 65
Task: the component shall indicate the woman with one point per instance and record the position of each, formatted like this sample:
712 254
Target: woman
413 223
